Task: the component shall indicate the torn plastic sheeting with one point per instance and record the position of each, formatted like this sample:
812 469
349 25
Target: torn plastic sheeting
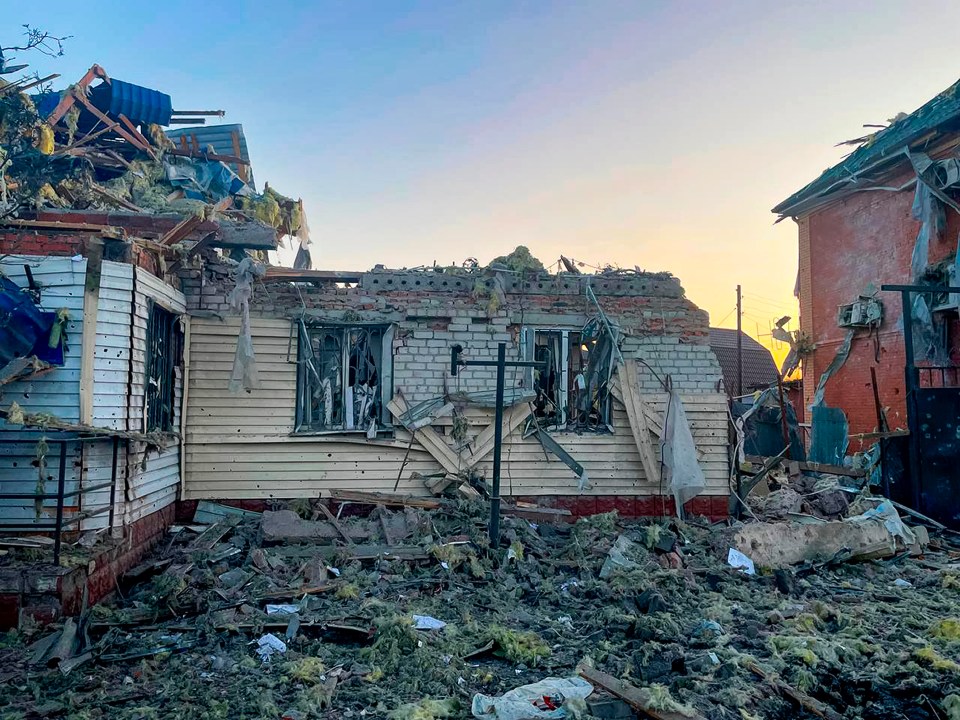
679 454
843 352
202 178
527 702
928 211
887 514
925 343
244 376
617 558
828 435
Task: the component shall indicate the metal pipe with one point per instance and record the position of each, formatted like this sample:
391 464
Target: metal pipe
497 448
61 482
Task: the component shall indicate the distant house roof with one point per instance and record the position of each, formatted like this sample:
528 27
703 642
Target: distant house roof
942 113
759 369
222 137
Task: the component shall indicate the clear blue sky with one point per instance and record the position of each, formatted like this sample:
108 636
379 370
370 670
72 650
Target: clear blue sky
656 134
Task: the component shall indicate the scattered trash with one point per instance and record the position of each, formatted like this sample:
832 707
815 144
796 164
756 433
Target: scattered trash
738 560
269 645
425 622
617 557
547 699
901 583
284 609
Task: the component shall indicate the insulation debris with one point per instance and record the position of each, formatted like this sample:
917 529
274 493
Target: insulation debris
237 618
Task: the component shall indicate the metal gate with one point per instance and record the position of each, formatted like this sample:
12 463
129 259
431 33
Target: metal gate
933 418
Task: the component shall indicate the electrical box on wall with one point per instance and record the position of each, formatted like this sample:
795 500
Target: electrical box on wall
866 311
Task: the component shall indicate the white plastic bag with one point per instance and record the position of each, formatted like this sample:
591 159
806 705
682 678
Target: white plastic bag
519 703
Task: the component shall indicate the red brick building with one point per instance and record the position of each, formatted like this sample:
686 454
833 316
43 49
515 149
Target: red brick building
857 232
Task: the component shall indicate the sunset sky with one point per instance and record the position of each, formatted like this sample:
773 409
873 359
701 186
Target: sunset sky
650 134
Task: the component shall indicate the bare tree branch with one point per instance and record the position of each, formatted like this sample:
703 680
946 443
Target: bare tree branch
40 40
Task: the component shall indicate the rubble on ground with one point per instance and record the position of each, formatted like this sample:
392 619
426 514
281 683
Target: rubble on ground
406 612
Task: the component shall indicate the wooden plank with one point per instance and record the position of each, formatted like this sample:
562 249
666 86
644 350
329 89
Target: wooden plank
389 499
815 467
637 416
512 419
639 699
428 437
331 518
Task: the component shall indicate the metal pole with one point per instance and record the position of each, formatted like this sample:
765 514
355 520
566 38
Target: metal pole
739 344
784 428
61 481
497 447
910 379
113 479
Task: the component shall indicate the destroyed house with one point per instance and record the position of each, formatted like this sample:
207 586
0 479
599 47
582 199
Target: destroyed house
346 385
888 215
98 210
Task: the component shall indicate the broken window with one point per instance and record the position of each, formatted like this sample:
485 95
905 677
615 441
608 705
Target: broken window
164 353
571 393
345 378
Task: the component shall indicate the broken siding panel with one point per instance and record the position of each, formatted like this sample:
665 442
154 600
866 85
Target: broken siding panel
20 474
239 446
61 281
111 375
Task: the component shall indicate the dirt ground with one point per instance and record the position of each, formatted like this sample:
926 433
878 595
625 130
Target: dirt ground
873 640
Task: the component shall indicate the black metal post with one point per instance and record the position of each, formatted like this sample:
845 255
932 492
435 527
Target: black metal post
501 364
61 482
113 479
497 447
911 376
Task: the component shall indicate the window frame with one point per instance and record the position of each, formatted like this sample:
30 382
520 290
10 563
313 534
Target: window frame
567 375
164 333
304 331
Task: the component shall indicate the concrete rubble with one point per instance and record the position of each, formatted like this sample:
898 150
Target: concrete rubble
308 611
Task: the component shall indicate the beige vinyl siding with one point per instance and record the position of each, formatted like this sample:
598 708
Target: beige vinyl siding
240 446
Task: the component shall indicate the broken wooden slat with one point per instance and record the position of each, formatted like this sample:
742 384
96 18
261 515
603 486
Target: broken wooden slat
802 699
377 498
389 552
103 230
111 198
333 521
637 417
215 533
637 698
428 437
181 230
815 467
512 419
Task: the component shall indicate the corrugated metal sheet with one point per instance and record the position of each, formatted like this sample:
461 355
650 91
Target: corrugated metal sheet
239 446
221 137
139 104
57 392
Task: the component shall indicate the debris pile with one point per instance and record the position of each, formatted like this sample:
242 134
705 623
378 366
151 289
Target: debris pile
100 145
397 607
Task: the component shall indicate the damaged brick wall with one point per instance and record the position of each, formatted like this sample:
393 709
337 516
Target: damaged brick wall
247 445
855 246
662 326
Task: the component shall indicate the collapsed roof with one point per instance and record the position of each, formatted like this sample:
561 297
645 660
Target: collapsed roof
921 130
99 146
